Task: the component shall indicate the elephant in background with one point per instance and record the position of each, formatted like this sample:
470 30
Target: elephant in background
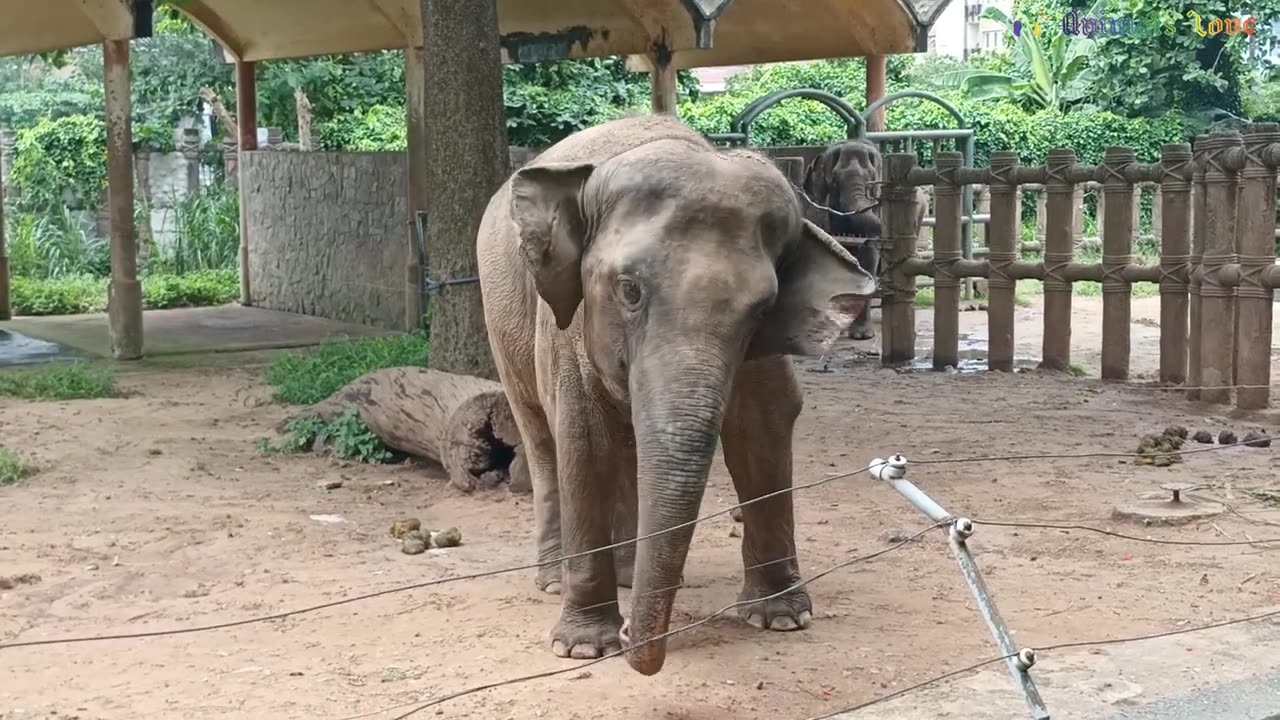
642 291
842 178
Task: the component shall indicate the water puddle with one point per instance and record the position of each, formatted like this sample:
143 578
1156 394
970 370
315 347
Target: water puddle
973 351
19 349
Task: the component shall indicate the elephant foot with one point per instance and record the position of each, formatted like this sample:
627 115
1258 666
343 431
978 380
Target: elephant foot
862 329
790 611
587 634
548 579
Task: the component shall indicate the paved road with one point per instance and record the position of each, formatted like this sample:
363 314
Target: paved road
1230 673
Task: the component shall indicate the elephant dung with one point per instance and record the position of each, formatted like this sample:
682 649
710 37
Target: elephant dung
446 538
414 543
402 527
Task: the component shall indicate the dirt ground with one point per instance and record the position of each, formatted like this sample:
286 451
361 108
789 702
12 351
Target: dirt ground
157 512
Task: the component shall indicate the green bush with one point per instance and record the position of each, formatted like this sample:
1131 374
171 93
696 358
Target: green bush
69 153
73 381
12 468
194 289
68 295
381 127
76 294
21 109
302 378
347 437
53 244
207 233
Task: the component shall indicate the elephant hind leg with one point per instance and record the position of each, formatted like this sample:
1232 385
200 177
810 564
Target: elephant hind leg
757 450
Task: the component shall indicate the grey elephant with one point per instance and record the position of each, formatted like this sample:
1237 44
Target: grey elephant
843 177
642 291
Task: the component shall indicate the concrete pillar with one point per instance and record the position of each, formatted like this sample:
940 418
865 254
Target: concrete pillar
124 296
247 122
662 83
1077 216
415 80
876 67
1157 213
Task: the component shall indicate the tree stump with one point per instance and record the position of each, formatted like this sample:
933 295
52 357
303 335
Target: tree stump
462 422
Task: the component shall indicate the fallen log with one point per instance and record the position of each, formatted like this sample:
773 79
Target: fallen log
462 422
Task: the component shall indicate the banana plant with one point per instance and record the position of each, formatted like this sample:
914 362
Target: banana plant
1051 71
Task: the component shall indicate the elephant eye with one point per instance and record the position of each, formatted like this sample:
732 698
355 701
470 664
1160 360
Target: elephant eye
629 292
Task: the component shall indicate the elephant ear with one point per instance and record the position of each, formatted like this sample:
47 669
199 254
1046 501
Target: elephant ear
821 288
545 208
817 179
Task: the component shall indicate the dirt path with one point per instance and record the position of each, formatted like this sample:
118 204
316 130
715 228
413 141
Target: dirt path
156 512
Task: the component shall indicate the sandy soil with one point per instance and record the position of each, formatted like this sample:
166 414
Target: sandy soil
156 512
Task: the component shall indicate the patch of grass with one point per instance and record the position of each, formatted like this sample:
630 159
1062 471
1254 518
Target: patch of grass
347 437
1076 369
75 294
302 378
12 469
1022 295
73 381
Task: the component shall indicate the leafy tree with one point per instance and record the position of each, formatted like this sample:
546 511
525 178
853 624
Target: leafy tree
1047 72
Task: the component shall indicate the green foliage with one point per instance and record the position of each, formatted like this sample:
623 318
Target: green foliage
381 127
23 107
153 136
201 288
69 381
207 237
548 101
796 121
1169 66
74 294
335 85
1047 72
13 469
303 378
57 154
347 437
53 245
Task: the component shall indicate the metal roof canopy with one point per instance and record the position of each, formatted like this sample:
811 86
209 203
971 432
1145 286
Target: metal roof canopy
699 32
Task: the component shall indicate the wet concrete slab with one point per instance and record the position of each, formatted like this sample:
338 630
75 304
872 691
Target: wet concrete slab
19 349
226 328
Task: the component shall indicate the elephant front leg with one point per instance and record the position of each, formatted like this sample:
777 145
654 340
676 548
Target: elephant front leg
868 257
757 450
589 614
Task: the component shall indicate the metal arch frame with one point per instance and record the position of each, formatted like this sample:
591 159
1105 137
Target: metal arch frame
740 126
964 137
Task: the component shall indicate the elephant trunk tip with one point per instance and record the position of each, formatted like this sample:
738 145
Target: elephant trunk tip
646 658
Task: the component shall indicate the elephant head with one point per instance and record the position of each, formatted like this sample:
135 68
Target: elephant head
844 177
686 262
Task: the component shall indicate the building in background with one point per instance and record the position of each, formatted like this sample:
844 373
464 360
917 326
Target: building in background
961 30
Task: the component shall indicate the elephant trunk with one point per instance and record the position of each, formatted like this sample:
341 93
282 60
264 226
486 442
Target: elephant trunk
677 411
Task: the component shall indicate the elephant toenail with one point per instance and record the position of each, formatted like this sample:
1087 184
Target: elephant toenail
783 623
552 588
559 649
806 618
583 651
756 620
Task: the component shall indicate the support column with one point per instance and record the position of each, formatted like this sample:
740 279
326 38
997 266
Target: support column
124 296
415 80
876 65
1222 157
1256 248
247 122
662 81
467 161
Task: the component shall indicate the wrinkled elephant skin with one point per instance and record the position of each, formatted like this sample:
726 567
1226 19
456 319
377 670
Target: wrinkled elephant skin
642 291
841 178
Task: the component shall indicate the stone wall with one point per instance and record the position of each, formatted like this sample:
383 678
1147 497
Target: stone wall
328 233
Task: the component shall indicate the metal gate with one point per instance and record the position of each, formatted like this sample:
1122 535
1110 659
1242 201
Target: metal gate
961 138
